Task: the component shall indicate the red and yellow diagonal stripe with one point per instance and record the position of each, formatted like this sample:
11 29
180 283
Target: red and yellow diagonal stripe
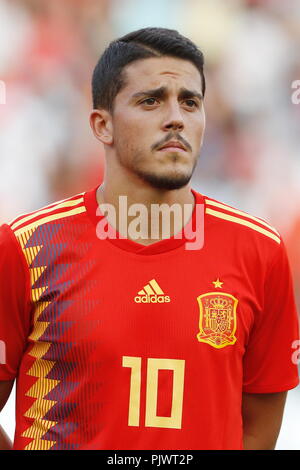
40 367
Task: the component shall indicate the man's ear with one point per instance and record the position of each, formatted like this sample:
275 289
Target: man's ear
101 124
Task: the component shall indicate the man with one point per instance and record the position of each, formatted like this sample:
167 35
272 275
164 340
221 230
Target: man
146 341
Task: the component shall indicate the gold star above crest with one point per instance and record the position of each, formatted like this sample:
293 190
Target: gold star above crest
218 283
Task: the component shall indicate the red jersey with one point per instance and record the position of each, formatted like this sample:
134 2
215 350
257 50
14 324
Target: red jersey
117 345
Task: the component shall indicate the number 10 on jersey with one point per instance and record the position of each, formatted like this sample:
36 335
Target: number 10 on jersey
153 367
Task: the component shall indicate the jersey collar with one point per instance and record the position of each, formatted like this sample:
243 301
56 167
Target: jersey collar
161 246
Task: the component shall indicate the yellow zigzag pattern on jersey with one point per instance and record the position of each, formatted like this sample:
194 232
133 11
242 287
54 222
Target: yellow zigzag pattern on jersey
68 204
40 367
221 215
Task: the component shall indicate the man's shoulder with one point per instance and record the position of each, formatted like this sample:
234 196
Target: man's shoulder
47 215
240 221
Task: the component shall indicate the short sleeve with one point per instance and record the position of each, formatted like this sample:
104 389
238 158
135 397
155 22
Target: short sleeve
15 304
268 365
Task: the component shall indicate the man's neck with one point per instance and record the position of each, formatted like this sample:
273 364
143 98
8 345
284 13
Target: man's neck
146 215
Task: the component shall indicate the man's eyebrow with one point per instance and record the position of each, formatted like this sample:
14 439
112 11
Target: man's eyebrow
161 92
156 92
184 93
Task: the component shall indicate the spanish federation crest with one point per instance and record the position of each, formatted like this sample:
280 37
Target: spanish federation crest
217 322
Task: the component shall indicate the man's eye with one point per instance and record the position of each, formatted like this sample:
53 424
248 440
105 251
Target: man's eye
191 103
149 101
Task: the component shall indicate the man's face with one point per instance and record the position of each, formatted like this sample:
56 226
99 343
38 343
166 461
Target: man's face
161 102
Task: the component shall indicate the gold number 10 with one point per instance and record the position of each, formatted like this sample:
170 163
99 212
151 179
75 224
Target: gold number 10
153 366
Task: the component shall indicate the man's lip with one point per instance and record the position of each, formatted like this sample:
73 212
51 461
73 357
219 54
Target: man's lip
172 144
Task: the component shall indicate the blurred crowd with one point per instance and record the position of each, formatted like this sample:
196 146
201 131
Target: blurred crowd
250 154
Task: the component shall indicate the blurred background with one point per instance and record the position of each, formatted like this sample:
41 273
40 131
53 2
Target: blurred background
250 158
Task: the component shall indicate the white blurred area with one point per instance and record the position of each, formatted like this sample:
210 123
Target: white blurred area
250 158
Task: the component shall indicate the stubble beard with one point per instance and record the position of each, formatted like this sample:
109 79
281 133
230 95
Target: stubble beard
167 182
173 180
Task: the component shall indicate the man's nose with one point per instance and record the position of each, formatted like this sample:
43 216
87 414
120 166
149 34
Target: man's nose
173 119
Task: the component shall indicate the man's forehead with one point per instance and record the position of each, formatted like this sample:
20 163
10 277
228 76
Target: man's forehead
161 71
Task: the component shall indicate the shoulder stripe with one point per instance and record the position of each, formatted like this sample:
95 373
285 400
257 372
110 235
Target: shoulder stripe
48 206
33 215
245 214
237 220
59 215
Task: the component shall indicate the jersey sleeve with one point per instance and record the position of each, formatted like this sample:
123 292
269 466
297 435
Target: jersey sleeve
268 361
15 304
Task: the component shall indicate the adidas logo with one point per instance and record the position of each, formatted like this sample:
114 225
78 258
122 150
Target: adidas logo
151 294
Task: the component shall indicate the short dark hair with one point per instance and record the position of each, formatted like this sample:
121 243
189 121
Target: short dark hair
108 77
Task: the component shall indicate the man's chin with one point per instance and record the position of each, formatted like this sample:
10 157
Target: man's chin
167 182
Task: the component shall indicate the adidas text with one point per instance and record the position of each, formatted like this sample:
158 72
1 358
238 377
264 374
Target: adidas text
152 299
